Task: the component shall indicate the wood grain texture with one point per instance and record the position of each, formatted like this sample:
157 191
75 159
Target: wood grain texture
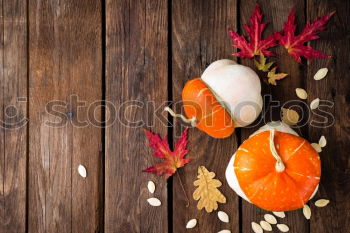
335 179
65 61
136 84
200 37
65 58
13 114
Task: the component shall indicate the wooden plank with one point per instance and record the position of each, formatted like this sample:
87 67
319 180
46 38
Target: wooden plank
13 113
335 182
199 37
2 136
65 61
136 82
276 14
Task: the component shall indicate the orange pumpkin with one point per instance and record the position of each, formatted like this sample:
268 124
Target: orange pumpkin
222 98
201 104
276 171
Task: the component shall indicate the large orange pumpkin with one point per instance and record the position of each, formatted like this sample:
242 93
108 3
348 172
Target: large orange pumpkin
276 171
226 96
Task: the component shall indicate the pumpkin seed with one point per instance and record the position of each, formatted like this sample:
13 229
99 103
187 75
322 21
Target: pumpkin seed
224 231
191 224
82 171
317 147
314 104
290 116
322 142
266 226
321 73
279 214
270 218
321 203
283 227
307 211
257 228
151 186
301 93
154 201
223 216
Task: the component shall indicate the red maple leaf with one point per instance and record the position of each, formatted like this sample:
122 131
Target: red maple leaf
255 46
295 44
172 160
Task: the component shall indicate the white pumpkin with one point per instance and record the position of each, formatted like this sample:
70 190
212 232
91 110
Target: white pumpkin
237 87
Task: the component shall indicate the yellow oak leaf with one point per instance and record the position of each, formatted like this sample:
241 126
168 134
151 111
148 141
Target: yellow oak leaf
261 64
207 192
273 77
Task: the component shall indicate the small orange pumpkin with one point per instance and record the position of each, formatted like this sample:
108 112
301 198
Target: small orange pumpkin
201 104
276 171
226 96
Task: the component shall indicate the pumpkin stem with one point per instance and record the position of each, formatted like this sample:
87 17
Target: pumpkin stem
191 121
279 164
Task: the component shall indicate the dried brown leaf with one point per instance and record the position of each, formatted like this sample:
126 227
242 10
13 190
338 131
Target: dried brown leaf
273 77
262 65
207 192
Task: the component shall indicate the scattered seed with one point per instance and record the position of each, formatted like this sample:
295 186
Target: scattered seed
191 224
270 218
82 171
317 147
283 227
307 211
257 228
223 216
322 142
224 231
279 214
154 201
266 226
314 104
290 116
321 73
321 203
151 186
301 93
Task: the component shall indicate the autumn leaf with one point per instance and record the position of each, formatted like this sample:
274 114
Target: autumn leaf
273 77
256 45
172 160
261 64
295 43
207 192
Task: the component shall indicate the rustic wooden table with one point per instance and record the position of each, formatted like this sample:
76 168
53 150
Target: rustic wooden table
71 54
